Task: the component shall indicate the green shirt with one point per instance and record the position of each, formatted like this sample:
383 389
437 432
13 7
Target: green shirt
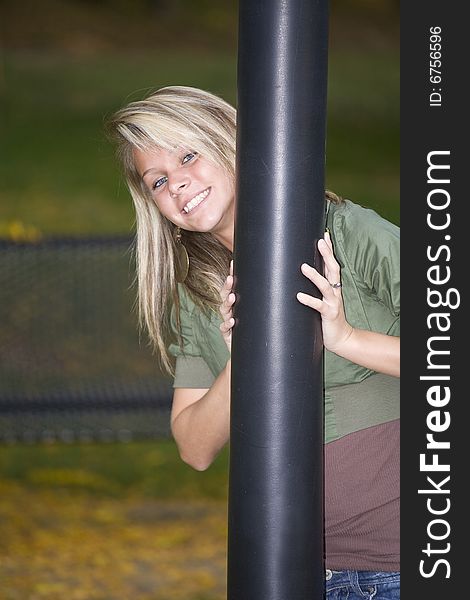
367 248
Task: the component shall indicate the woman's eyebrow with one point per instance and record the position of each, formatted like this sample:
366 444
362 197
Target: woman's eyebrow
148 171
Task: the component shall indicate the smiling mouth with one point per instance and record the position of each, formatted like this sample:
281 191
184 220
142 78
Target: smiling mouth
196 201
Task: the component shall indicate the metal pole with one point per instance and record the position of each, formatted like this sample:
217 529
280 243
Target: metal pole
276 539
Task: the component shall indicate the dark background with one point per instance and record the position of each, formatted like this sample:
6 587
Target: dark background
65 66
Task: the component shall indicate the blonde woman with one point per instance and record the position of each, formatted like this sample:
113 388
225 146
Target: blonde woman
177 148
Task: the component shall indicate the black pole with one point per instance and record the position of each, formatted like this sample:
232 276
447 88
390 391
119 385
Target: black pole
276 540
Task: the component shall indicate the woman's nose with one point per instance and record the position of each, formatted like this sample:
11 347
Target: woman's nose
178 184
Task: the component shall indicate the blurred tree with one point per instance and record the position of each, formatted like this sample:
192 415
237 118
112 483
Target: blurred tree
97 25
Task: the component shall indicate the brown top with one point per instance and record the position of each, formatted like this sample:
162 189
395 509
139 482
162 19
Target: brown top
362 499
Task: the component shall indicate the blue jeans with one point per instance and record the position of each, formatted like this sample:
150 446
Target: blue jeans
362 585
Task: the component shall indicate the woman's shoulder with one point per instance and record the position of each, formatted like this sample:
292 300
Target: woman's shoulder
354 220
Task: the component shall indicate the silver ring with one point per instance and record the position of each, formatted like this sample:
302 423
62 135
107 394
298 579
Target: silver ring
335 285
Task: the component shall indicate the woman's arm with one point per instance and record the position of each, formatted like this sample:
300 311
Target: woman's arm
200 421
376 351
200 418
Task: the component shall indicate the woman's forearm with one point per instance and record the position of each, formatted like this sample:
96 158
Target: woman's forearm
202 429
376 351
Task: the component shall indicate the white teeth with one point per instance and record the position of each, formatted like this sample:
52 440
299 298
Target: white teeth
195 201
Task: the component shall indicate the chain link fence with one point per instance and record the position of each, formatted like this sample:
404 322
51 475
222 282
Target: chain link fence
72 367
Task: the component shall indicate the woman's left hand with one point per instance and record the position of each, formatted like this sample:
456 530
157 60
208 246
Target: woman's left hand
336 330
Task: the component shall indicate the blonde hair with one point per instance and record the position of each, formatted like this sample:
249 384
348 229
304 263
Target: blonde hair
168 118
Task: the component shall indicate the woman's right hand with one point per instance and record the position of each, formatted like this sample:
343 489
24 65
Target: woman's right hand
228 299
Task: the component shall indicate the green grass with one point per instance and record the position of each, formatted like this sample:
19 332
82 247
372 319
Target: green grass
137 469
57 169
363 137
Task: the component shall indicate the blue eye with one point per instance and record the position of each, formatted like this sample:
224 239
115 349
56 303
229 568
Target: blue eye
188 157
159 183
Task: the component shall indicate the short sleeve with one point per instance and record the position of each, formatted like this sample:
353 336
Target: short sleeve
372 248
191 370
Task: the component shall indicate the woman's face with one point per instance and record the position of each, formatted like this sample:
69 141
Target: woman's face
189 190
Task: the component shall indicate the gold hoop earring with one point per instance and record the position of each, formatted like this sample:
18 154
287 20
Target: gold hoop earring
181 258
